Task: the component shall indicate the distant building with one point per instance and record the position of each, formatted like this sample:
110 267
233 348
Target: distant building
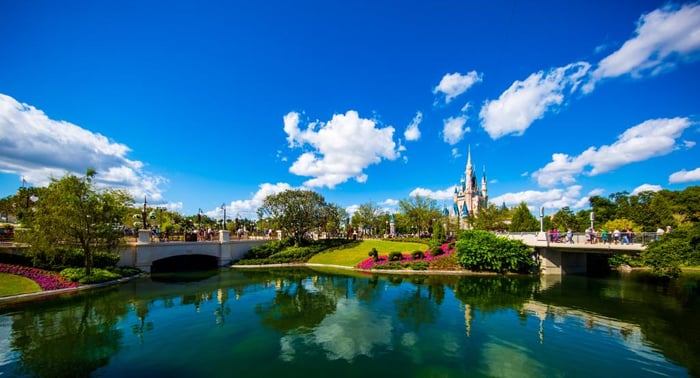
468 196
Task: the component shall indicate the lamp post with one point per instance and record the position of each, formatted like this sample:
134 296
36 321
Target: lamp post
592 218
143 213
542 219
223 207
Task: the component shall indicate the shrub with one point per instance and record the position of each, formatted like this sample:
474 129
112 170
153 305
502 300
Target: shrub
374 254
417 255
395 256
104 259
436 251
484 251
98 275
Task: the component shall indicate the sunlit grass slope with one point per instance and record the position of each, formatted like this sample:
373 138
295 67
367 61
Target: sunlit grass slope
11 284
351 256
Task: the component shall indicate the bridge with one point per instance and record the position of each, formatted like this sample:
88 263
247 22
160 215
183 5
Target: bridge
567 258
145 254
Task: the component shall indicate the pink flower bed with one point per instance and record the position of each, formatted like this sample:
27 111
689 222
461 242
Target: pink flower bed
46 280
384 259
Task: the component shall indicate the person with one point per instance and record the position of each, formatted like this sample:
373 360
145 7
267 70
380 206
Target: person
659 233
589 235
570 236
625 237
616 236
604 236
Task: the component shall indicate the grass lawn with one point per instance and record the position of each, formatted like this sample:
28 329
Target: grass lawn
351 256
11 284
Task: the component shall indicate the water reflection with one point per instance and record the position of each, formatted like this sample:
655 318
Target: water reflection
272 322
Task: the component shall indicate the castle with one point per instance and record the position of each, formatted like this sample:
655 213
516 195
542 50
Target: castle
468 197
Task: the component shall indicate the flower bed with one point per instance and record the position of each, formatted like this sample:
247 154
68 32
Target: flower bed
406 259
46 280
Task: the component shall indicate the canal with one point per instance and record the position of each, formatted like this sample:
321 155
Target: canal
300 322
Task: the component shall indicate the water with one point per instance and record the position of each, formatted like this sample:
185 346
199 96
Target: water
307 323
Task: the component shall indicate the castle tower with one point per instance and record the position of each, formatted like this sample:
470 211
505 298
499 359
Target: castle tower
468 196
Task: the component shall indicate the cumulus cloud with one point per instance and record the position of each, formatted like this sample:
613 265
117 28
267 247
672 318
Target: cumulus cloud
646 188
341 148
412 132
454 129
550 199
649 139
455 153
454 84
663 38
684 176
37 147
689 143
527 101
445 194
247 208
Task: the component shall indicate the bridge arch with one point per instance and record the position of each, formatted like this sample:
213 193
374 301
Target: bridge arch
185 263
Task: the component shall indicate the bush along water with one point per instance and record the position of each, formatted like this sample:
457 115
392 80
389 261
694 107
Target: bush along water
482 251
417 260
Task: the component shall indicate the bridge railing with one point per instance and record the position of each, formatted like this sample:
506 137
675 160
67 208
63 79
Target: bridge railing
638 238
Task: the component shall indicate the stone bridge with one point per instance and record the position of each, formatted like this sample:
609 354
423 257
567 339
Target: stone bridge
564 258
144 253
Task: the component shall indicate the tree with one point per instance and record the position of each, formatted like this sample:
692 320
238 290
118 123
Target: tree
490 217
564 219
295 211
71 212
420 211
523 220
483 251
367 215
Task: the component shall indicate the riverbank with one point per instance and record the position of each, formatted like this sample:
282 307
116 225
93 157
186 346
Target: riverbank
21 298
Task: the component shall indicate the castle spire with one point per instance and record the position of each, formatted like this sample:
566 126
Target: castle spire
469 173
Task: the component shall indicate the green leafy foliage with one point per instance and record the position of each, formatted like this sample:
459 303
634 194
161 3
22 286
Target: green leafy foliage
483 251
417 255
96 275
681 247
395 256
285 251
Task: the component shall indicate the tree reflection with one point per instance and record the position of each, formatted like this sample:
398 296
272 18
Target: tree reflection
70 341
416 308
295 306
489 294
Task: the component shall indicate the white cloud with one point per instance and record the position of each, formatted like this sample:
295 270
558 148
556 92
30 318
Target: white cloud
36 147
455 153
453 130
439 195
454 84
646 188
684 176
248 208
663 38
689 143
649 139
341 148
412 132
551 199
526 101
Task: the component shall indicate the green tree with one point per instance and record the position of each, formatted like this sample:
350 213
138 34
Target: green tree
523 220
295 211
367 215
420 211
565 219
603 208
490 218
71 211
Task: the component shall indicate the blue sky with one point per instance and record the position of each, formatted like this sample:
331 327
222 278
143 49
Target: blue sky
199 104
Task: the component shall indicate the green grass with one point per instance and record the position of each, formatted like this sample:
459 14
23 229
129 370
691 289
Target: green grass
11 284
351 256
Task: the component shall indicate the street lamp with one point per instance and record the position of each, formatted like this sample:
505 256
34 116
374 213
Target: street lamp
542 219
223 207
592 218
143 213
